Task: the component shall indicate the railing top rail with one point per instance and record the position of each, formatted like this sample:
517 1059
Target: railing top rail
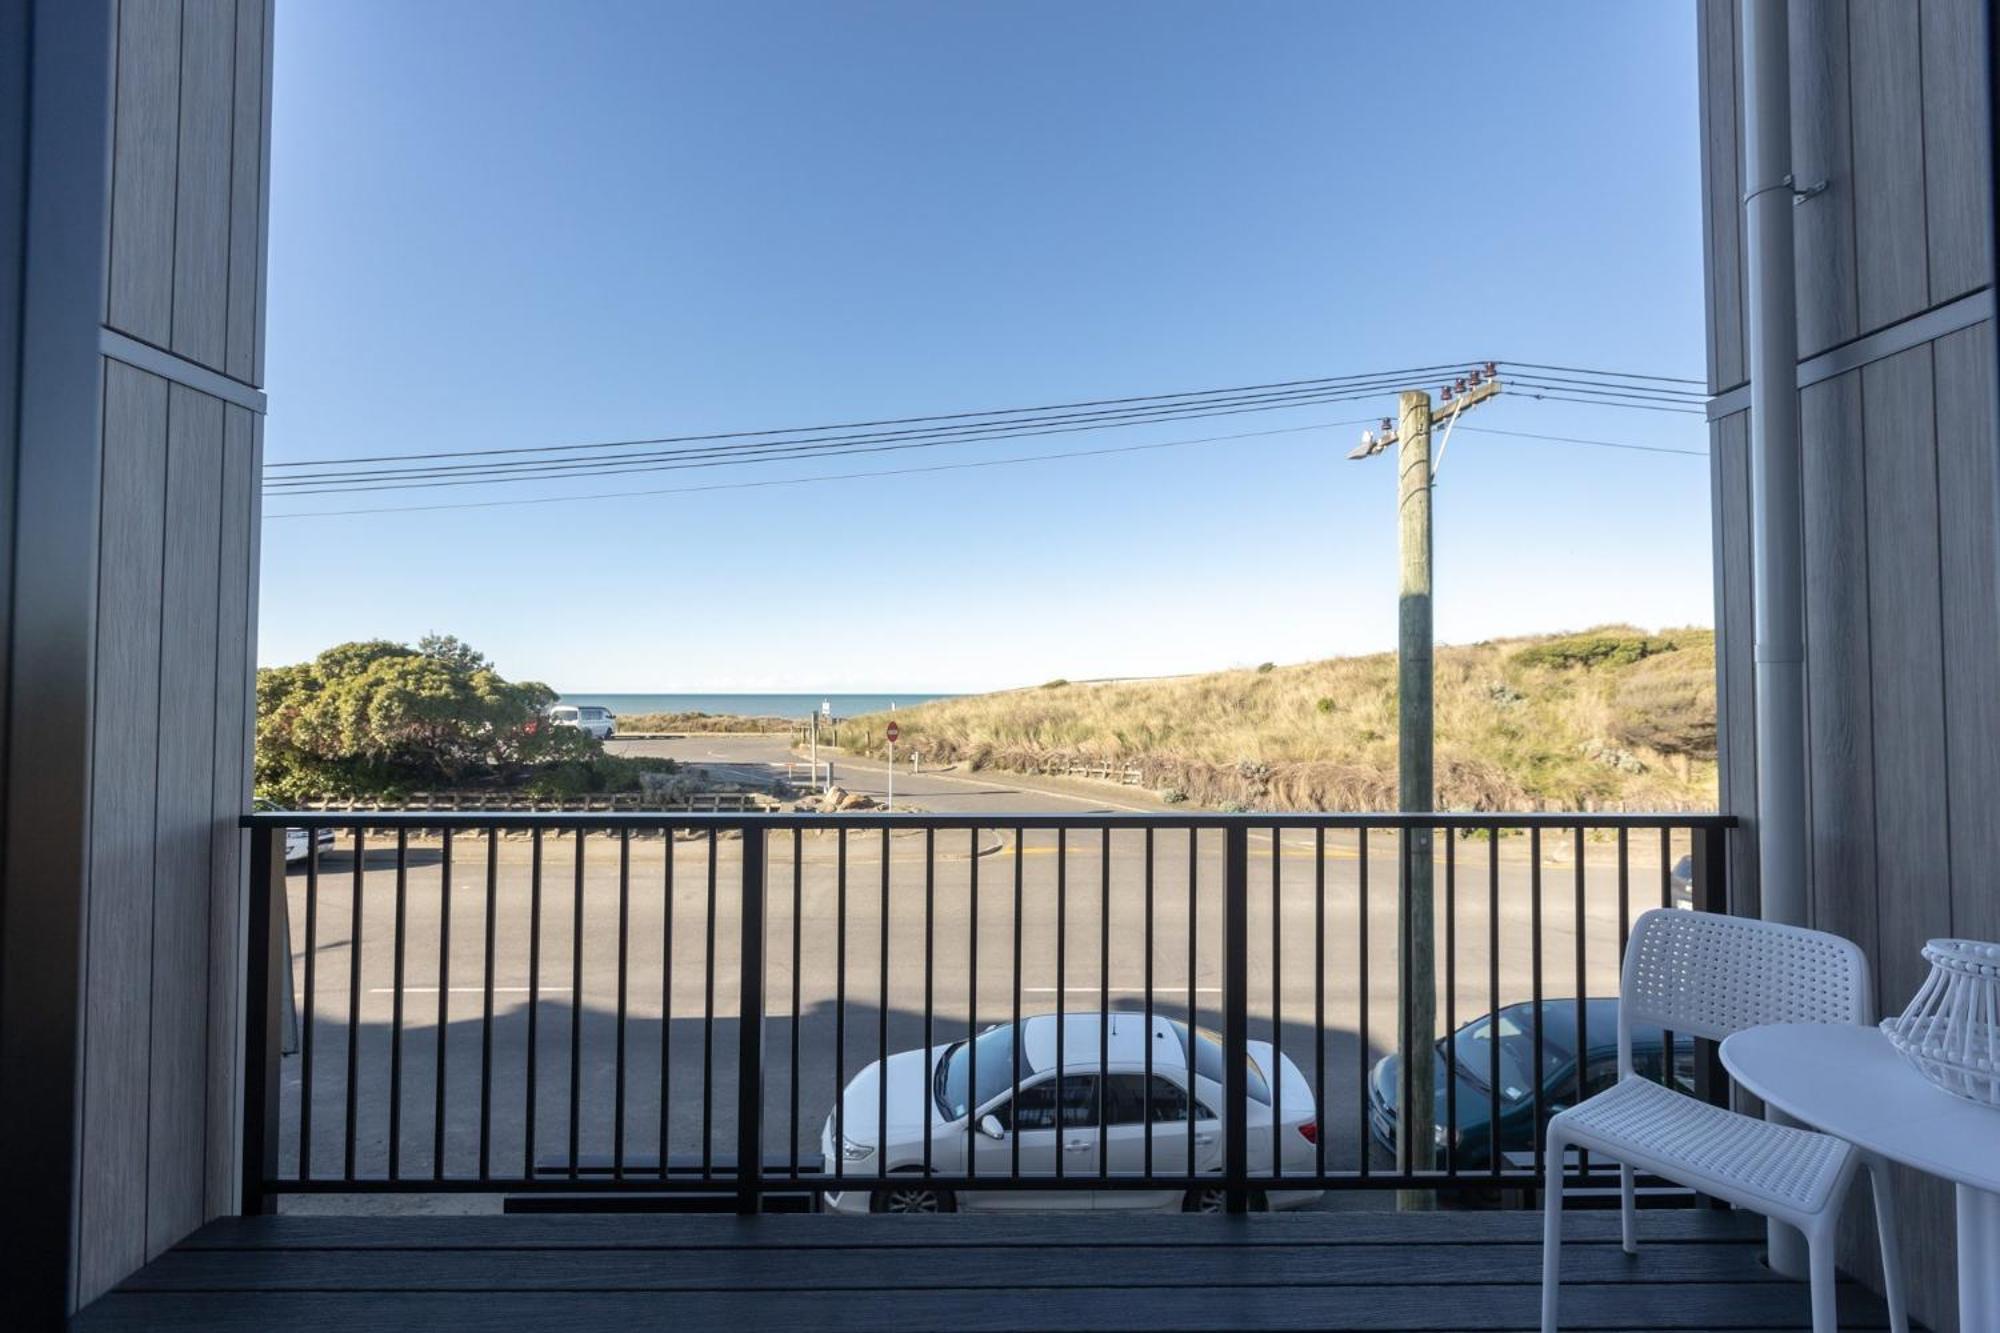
653 819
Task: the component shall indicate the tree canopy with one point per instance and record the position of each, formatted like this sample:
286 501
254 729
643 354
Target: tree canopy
375 717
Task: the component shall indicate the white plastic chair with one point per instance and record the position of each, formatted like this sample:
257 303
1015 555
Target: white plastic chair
1698 974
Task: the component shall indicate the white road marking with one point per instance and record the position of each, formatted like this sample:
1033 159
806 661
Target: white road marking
1167 992
469 989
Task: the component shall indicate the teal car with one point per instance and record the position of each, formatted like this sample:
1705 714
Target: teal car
1479 1134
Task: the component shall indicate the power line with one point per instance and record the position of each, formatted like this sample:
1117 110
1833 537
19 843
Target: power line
953 467
785 448
837 476
1683 395
1575 439
1406 373
1612 374
1520 392
365 483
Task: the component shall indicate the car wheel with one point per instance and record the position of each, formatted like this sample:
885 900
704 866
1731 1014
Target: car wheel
912 1199
1217 1201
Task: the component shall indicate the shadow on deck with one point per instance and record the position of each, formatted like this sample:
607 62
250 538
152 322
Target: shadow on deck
1452 1270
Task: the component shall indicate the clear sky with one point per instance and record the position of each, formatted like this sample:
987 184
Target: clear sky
499 223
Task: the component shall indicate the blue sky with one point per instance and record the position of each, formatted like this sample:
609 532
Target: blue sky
500 224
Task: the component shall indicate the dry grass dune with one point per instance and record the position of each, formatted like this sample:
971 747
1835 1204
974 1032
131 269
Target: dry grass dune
1608 718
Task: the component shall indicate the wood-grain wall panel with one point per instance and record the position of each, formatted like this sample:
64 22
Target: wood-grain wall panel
111 1221
1722 167
177 1163
1840 738
1822 149
1956 203
1906 665
1736 631
246 194
145 162
1885 61
229 797
1968 530
202 189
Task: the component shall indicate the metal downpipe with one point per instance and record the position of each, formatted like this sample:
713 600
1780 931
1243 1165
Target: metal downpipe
1777 527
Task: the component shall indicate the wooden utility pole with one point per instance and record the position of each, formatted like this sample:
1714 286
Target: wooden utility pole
1415 792
1416 785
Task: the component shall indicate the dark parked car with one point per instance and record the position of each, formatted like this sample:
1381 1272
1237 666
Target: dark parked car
1513 1028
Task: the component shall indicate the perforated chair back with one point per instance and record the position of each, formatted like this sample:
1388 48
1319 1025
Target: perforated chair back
1705 975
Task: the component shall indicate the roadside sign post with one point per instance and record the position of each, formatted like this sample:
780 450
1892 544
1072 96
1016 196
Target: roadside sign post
891 731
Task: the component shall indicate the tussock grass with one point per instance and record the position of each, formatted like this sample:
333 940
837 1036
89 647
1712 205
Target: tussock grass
1607 719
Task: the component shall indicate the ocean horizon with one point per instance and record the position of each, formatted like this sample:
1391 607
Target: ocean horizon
796 706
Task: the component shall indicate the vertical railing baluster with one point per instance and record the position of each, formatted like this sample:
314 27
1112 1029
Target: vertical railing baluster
486 1007
396 1019
1582 985
930 962
882 1023
306 1015
840 1007
1624 893
1277 1073
1236 1016
666 1001
624 952
971 1004
267 968
1711 894
1667 1039
530 1092
1320 1117
1020 863
576 1013
1451 1001
1363 1108
1062 937
354 918
798 902
1147 1172
1407 1147
1193 971
708 1020
750 1029
444 1003
1103 995
1493 998
1539 1074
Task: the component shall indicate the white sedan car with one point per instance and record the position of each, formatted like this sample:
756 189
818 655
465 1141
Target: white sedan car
965 1091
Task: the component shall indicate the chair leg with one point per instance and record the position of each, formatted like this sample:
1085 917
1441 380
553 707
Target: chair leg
1892 1245
1819 1250
1628 1210
1552 1203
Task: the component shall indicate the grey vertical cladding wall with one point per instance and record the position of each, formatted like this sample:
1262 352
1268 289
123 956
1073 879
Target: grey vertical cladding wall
1902 611
172 696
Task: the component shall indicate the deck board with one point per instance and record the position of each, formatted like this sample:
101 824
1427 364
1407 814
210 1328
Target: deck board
1438 1272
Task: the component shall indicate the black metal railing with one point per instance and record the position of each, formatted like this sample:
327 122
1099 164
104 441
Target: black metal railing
472 1027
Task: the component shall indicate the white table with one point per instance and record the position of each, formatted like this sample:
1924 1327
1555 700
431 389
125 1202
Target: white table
1851 1083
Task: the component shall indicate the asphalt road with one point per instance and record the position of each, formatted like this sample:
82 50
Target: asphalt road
555 955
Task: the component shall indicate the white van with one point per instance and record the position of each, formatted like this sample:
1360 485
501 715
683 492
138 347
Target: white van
587 718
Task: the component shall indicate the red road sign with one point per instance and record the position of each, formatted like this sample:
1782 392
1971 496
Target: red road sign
893 731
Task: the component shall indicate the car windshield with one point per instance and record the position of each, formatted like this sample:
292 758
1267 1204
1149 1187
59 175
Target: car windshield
562 714
1512 1029
993 1052
1207 1060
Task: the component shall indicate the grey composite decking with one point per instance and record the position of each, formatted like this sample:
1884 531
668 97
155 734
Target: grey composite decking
1464 1270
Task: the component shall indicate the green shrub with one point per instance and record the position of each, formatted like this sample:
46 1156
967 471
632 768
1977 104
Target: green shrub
1055 684
1325 704
1603 647
1266 668
1172 795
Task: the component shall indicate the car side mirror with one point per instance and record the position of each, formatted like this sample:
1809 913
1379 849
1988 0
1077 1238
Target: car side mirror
990 1126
